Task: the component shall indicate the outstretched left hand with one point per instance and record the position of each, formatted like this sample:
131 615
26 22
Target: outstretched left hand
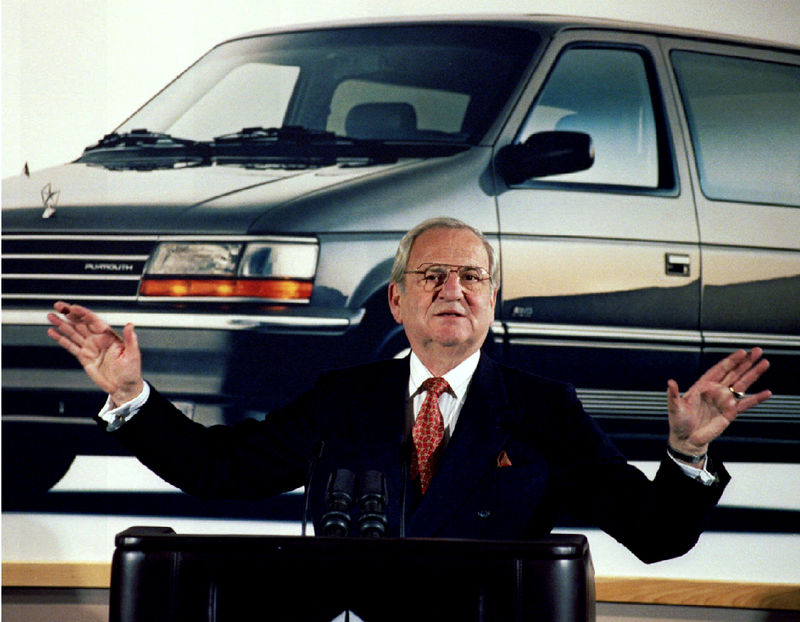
702 413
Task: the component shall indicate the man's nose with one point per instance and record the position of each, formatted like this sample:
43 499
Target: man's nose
451 288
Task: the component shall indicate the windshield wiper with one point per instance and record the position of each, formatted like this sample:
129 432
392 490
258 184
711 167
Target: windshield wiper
145 150
287 146
286 133
295 145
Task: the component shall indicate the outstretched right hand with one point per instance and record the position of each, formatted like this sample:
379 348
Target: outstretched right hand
114 363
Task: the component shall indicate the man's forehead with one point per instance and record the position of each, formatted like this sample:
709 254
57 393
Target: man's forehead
449 246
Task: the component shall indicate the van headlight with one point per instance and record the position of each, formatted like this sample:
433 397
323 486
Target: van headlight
265 270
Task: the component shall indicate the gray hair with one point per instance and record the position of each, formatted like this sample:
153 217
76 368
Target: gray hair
440 222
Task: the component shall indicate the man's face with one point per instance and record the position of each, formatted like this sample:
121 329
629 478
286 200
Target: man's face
448 324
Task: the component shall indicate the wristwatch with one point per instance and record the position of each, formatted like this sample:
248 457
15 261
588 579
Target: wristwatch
685 457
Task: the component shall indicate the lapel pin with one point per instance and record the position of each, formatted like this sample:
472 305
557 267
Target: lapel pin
503 460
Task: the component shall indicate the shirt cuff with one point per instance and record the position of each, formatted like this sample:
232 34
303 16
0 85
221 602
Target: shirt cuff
116 417
701 475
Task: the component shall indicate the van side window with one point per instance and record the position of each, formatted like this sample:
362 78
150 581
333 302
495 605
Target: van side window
744 119
605 93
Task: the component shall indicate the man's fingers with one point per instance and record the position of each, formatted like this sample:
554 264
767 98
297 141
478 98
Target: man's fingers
82 350
114 335
743 367
74 311
673 393
129 338
752 400
66 343
79 321
62 307
725 370
69 322
65 329
749 376
72 333
54 319
85 321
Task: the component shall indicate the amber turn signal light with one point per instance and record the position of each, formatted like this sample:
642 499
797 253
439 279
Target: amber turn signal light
276 289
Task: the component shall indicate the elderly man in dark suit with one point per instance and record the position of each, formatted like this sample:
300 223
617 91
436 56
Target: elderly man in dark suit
469 448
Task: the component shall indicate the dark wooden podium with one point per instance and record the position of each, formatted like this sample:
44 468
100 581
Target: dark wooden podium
160 575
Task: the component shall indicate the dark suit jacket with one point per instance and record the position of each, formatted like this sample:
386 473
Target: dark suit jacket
560 460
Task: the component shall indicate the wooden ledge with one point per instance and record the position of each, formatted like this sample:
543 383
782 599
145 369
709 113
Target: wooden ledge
783 596
76 575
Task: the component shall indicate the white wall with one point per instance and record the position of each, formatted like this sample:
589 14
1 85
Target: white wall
72 70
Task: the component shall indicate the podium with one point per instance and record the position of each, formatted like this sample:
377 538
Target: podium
160 575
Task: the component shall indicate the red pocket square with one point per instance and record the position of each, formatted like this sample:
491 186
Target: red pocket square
502 459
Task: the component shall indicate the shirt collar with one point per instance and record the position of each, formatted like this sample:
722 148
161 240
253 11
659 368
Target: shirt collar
458 378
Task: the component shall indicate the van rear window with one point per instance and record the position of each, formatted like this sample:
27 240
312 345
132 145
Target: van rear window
744 119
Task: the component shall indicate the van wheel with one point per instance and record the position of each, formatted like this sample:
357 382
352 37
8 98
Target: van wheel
394 344
31 467
379 336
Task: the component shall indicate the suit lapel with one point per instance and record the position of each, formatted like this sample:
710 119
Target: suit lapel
478 438
387 389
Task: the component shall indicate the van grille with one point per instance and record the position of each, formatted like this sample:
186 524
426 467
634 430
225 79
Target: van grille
77 267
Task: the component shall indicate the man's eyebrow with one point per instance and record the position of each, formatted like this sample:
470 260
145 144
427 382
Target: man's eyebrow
450 265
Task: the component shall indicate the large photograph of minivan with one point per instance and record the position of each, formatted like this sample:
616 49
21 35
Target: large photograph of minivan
641 187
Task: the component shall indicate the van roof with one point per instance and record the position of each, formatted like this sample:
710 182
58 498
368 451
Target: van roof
547 22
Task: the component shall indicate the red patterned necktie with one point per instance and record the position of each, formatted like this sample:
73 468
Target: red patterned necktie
428 432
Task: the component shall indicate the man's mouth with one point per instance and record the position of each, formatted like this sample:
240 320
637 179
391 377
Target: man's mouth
449 314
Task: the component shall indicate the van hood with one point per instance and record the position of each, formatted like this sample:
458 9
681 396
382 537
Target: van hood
215 199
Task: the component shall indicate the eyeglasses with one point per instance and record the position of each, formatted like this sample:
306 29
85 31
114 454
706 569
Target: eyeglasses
434 276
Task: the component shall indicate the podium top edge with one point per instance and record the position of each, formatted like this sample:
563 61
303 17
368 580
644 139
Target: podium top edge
558 546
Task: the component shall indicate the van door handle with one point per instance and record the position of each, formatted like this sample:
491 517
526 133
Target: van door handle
677 264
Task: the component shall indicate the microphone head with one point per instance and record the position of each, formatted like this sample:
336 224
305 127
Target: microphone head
372 484
341 485
372 499
336 521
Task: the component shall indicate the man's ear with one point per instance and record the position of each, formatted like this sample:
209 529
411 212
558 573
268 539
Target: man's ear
394 301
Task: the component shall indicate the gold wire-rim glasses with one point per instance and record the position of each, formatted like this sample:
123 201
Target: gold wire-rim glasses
434 276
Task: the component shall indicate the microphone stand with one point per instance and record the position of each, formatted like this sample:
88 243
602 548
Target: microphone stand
315 456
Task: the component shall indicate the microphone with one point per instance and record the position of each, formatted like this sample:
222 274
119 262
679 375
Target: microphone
336 521
372 501
316 452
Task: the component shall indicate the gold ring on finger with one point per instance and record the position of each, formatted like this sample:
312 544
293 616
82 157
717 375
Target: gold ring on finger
737 394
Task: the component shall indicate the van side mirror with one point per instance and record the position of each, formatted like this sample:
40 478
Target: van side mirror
545 153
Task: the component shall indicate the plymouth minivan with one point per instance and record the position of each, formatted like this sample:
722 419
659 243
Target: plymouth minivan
641 186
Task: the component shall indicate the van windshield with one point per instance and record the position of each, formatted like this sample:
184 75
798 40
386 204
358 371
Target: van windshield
429 83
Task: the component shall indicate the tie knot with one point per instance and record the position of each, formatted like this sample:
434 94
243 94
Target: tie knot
436 385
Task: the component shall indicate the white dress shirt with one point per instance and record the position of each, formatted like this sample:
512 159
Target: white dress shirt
449 403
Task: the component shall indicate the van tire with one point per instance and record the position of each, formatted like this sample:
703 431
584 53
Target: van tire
31 467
